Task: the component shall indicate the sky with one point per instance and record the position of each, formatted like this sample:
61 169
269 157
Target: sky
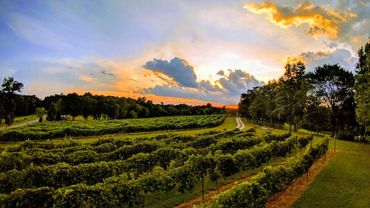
189 51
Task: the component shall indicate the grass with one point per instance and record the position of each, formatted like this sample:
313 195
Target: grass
344 182
21 119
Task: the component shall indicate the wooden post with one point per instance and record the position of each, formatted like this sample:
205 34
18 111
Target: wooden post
202 188
335 142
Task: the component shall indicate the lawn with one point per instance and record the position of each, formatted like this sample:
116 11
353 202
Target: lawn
21 119
344 182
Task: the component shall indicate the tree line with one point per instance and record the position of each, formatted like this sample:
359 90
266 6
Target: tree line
96 106
110 107
328 99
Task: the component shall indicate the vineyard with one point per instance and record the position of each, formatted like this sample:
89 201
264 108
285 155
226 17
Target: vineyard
128 172
47 130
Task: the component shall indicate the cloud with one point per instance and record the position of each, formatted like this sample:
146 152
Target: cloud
35 31
221 73
56 76
177 69
321 20
208 86
340 56
226 89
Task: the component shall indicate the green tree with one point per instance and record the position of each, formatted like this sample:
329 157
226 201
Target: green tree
2 107
362 88
333 86
73 105
88 102
316 117
10 86
9 89
292 94
132 114
40 112
55 110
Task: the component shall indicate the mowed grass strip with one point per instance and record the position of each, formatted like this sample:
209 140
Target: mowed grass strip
344 182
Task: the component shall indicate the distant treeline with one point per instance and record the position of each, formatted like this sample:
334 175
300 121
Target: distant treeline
96 106
327 99
110 107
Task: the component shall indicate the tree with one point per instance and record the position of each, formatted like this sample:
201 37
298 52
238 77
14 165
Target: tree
55 110
88 102
316 117
9 89
245 101
73 105
10 86
132 114
292 93
333 86
40 112
362 88
2 107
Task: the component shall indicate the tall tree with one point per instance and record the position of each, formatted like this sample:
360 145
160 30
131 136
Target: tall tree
9 88
334 87
292 93
362 87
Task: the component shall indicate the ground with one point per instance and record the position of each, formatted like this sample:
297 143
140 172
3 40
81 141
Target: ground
21 120
344 182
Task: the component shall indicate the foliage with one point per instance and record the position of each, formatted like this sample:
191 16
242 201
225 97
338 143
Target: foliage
120 172
272 180
111 107
12 104
362 88
322 100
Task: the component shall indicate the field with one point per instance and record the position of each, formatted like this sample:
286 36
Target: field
137 170
177 167
56 129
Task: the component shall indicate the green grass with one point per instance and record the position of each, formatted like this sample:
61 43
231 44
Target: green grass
21 119
344 182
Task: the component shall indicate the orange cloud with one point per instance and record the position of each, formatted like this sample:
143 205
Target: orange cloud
306 57
322 20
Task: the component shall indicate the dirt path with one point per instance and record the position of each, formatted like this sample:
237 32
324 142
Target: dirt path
240 124
288 197
19 125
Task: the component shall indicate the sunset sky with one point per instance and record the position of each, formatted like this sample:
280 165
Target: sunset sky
190 51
